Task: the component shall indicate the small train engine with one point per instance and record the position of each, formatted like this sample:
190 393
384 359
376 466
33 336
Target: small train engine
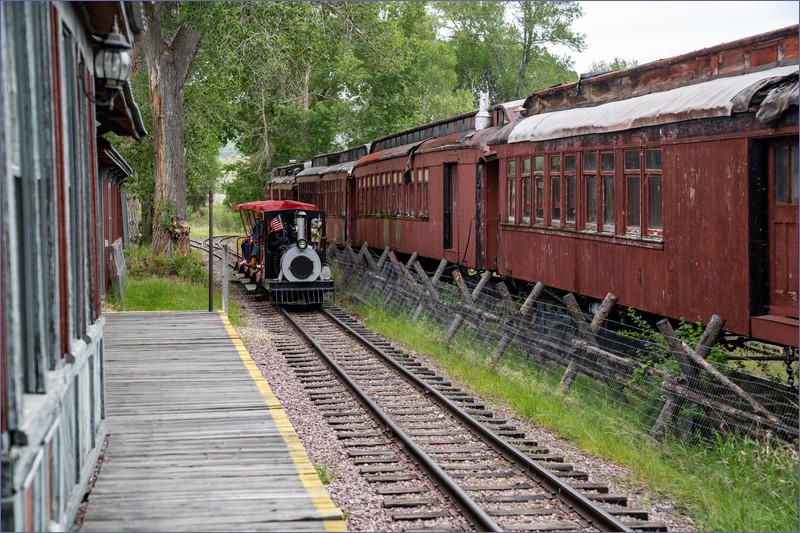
289 261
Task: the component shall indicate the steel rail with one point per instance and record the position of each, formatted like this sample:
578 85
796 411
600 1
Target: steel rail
583 506
471 510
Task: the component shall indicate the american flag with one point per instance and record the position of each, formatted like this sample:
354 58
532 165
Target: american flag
275 224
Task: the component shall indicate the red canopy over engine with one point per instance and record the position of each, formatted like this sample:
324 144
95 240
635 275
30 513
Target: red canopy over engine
275 205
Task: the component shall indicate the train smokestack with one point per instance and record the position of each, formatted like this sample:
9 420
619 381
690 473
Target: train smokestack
482 118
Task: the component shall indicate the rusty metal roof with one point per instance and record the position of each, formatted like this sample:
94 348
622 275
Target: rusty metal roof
714 98
314 173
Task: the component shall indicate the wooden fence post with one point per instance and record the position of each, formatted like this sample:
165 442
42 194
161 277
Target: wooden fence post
430 284
524 315
587 331
691 363
383 257
690 372
469 299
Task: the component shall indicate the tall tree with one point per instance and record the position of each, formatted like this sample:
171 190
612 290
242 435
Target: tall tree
169 50
503 46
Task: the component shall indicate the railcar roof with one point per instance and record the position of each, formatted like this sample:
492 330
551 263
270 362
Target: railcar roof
715 98
321 171
275 205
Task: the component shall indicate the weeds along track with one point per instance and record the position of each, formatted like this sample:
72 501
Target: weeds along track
439 459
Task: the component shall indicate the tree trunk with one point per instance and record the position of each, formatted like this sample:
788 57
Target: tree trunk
168 65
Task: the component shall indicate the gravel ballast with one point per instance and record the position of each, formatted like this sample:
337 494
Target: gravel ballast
363 508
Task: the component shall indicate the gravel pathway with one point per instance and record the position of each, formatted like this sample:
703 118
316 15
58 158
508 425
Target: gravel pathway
363 509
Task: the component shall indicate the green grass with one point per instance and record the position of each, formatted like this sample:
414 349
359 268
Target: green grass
227 221
325 473
736 485
177 283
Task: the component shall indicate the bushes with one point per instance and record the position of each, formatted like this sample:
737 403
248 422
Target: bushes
141 264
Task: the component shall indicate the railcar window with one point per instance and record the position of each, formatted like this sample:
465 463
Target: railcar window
539 193
607 171
425 193
511 196
653 176
590 177
512 199
526 191
569 179
633 211
555 190
786 175
526 200
419 192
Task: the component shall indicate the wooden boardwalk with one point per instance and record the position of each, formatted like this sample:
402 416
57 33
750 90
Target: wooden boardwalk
198 442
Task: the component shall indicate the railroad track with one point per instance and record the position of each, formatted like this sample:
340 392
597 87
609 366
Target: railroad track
439 458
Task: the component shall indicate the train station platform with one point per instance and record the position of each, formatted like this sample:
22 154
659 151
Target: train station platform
197 440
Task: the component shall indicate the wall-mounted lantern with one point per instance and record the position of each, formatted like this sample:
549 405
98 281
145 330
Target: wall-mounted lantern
112 63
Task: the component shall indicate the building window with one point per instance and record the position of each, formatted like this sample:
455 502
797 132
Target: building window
590 178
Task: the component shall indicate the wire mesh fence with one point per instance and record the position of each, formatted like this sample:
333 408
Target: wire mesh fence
674 385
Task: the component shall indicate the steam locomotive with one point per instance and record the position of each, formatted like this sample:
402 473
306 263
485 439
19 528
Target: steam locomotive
284 252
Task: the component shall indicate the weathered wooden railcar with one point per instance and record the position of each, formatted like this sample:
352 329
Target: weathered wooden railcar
58 210
672 185
419 190
326 183
282 184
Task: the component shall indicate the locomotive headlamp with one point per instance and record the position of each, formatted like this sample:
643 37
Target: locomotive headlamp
302 244
113 62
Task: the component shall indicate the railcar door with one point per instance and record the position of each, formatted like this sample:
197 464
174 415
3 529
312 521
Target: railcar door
783 219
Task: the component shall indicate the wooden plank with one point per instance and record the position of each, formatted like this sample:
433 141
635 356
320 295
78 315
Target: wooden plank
193 445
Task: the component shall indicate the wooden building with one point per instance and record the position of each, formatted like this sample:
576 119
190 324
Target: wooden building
60 205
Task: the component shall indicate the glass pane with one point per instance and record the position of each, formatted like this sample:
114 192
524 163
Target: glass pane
526 200
781 175
608 162
591 200
590 162
540 199
793 172
569 163
539 163
512 168
634 208
555 163
652 159
555 188
512 199
526 166
608 203
571 205
654 202
632 161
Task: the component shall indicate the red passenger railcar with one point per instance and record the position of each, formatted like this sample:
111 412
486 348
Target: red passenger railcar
672 185
420 190
325 183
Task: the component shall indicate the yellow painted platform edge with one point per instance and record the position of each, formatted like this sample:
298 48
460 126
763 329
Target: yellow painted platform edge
305 468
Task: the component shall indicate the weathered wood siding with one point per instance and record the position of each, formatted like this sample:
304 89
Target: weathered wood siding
52 263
